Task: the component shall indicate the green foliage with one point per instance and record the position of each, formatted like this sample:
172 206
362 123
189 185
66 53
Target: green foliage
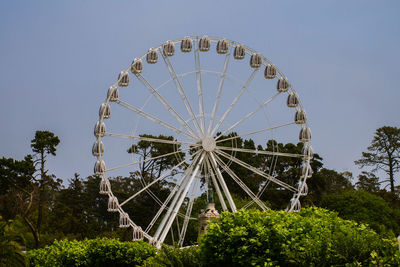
170 256
15 183
45 142
325 182
94 252
364 207
10 248
368 181
312 237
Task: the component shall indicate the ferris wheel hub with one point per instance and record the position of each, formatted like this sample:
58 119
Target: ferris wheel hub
208 143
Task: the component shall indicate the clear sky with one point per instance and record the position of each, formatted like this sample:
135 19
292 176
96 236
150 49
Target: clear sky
57 59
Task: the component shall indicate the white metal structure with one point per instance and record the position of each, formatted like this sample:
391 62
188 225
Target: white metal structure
199 116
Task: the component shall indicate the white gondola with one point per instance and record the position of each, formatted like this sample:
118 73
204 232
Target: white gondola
105 111
307 152
282 85
292 100
123 79
168 49
255 61
98 148
239 52
152 56
99 167
222 47
137 66
186 45
300 117
124 220
112 93
270 72
99 129
105 187
204 44
306 170
112 204
305 134
137 233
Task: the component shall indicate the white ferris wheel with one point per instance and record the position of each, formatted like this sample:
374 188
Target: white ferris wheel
198 104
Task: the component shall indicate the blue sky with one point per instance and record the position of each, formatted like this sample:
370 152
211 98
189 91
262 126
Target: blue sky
57 59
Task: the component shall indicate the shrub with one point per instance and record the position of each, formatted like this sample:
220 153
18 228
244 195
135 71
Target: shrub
312 237
170 256
10 248
93 252
364 207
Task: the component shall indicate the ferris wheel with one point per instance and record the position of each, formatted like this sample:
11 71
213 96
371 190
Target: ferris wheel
189 112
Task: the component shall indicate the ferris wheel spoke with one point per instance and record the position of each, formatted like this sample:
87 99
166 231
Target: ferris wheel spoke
247 116
222 182
164 102
146 160
188 212
180 200
174 193
241 184
257 171
182 93
259 194
214 181
150 193
255 132
200 89
263 152
248 204
153 196
219 91
154 119
166 174
164 205
153 140
232 105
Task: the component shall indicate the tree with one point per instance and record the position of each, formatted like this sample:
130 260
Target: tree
71 210
288 170
151 169
383 153
15 185
325 182
368 181
44 143
364 207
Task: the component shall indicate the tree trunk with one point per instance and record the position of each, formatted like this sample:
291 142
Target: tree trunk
35 232
391 178
40 200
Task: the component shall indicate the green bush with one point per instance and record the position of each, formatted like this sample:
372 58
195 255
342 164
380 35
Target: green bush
170 256
93 252
10 245
312 237
364 207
